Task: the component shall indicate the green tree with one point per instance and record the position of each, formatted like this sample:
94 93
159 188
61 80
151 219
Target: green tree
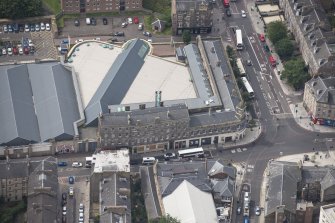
295 73
276 31
16 9
165 219
284 48
186 36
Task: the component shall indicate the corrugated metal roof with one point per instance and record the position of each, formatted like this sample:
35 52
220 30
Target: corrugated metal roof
117 80
37 102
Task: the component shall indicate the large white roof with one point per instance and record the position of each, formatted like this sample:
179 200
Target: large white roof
189 204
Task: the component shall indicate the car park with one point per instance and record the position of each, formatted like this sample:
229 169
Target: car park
37 27
15 28
257 211
71 180
64 210
47 27
168 156
26 28
136 20
71 191
26 50
244 15
130 20
140 26
104 21
228 12
77 23
77 164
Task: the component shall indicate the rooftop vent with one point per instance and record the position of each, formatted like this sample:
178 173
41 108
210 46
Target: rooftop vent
314 83
124 197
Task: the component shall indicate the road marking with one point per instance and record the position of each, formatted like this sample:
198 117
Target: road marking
249 170
233 151
280 94
238 150
244 149
252 47
269 95
251 166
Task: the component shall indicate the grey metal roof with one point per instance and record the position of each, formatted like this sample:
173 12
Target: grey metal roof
282 190
42 192
223 187
37 103
146 116
17 112
328 180
117 80
55 101
323 89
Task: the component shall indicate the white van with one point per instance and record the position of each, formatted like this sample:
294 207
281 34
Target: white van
148 160
88 21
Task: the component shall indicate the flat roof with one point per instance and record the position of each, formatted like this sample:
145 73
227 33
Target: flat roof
158 74
268 8
91 63
269 19
329 211
115 160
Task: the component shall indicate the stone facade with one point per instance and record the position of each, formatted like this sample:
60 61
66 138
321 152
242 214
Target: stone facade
309 25
77 6
195 16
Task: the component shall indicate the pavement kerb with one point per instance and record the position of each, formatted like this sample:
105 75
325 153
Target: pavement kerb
262 194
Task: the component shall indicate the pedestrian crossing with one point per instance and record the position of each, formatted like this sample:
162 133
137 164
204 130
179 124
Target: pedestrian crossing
249 167
238 150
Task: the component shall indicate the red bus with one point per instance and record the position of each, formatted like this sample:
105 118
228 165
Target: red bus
226 3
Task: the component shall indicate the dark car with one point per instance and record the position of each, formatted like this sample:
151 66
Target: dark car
93 21
119 34
104 21
71 180
228 12
62 163
15 51
16 27
21 27
146 33
26 50
32 27
10 28
32 50
76 22
64 196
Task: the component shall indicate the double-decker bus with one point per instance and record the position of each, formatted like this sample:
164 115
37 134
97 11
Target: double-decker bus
248 87
226 3
196 152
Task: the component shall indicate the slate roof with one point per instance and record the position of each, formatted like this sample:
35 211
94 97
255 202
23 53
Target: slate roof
42 193
37 103
282 190
223 187
117 81
323 89
328 180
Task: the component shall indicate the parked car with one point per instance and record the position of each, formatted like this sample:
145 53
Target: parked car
77 164
257 211
71 180
15 51
21 27
113 40
16 27
130 20
273 61
5 28
26 28
81 208
168 156
26 50
244 14
4 51
228 12
32 27
140 26
262 37
71 191
47 27
81 217
64 196
104 21
119 34
124 25
146 33
62 163
76 22
20 50
238 210
64 210
9 51
93 21
10 28
37 27
136 20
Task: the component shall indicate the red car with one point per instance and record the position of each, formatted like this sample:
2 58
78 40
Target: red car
15 51
272 61
26 50
136 20
262 37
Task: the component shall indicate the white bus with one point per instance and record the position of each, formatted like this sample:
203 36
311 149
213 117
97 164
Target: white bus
196 152
239 41
248 87
148 160
240 66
